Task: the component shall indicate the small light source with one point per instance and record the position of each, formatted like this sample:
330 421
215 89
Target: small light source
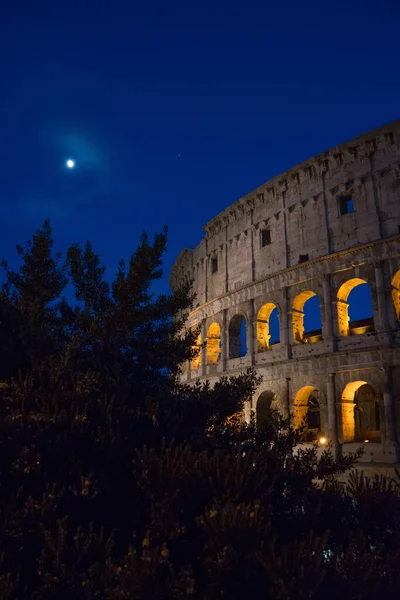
322 440
366 441
70 163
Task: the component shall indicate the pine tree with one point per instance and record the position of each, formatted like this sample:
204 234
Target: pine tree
117 481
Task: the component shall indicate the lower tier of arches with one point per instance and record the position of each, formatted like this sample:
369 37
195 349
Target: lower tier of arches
347 408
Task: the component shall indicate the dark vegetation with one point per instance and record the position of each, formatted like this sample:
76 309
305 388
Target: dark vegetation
117 481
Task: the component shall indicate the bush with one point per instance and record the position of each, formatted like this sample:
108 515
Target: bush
117 481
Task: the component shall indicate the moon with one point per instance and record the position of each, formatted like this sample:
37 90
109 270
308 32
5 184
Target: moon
70 163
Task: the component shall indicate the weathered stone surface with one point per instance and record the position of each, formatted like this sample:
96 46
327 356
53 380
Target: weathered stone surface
295 237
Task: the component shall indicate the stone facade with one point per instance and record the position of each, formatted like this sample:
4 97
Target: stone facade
320 229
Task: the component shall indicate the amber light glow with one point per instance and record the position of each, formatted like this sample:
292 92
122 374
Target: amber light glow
322 440
298 315
301 405
348 419
213 344
396 294
263 334
196 360
343 307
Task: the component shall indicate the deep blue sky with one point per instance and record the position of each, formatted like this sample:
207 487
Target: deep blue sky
173 110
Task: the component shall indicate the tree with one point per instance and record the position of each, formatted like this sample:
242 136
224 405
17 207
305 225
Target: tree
117 481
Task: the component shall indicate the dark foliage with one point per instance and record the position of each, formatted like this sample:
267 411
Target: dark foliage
117 481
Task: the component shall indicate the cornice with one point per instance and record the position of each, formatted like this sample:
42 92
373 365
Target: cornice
299 267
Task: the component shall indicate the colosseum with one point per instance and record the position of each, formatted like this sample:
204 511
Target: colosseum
279 277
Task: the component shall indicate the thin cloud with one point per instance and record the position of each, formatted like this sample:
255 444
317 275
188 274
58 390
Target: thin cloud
60 192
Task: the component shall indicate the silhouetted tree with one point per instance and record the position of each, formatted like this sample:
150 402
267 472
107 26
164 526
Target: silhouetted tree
117 481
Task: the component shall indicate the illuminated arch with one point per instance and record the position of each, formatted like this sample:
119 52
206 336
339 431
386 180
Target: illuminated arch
213 348
307 410
396 294
196 360
237 336
360 413
299 335
263 326
345 327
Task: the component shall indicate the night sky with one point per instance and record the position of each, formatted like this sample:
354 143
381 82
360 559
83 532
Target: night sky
173 110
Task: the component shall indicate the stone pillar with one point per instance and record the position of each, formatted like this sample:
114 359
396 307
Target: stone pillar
224 340
247 411
204 348
286 400
328 332
297 326
335 319
250 336
388 406
393 302
300 410
347 414
383 324
332 415
343 317
284 323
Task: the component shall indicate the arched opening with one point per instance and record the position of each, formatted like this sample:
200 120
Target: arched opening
361 419
267 327
196 360
396 294
237 337
354 306
213 344
306 318
307 412
264 408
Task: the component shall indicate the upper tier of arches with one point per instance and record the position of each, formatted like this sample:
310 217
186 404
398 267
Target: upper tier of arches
313 315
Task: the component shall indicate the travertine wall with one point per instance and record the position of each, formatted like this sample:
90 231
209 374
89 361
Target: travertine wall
321 228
